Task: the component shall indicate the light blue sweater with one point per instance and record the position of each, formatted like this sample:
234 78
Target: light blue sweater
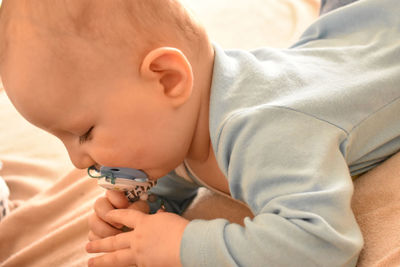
289 127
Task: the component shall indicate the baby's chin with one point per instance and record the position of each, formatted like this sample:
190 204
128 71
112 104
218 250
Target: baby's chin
154 175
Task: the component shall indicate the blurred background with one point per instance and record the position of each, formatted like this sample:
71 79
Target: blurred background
252 23
247 23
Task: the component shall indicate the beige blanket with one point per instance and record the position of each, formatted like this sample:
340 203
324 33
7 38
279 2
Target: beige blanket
51 200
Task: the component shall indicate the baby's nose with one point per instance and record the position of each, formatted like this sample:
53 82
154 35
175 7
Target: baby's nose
81 160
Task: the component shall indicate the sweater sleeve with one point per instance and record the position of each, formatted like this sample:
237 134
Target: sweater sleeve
290 168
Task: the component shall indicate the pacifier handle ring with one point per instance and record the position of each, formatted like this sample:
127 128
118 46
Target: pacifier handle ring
93 168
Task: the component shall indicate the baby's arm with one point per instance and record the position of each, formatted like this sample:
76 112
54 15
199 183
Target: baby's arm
289 168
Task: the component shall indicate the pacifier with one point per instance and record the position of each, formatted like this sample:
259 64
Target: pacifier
133 182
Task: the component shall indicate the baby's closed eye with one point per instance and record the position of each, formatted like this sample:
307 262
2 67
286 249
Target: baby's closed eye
85 137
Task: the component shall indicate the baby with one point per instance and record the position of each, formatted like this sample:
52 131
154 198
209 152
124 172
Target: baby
138 84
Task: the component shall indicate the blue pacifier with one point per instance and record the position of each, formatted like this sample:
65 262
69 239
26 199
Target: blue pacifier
133 182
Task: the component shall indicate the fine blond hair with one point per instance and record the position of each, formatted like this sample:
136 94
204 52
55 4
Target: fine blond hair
137 25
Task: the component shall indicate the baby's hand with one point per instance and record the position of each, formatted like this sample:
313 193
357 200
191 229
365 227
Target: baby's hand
154 241
99 225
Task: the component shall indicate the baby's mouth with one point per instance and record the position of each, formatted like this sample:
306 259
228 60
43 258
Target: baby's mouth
97 166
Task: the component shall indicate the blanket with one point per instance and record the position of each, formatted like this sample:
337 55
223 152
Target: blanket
51 200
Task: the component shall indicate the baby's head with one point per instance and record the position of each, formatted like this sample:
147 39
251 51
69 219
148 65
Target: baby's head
113 79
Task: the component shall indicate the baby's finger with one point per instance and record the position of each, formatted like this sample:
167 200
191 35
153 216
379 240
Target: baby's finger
117 199
92 236
128 217
109 244
140 205
120 258
100 228
102 206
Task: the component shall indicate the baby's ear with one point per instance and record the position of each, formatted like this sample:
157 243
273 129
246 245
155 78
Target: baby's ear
170 69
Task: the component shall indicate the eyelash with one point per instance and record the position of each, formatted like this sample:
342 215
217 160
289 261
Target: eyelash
86 136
